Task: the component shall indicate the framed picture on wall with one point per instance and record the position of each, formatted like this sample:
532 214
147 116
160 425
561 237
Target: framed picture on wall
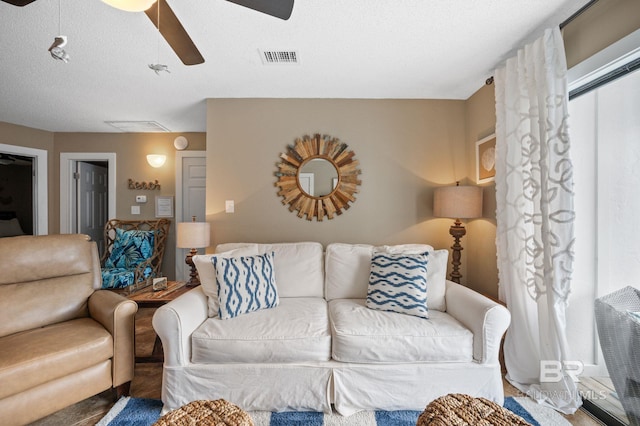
164 206
486 159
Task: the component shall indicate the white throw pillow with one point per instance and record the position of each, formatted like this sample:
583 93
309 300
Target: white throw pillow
398 283
207 274
245 284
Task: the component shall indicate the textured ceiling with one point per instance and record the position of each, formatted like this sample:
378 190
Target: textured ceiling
434 49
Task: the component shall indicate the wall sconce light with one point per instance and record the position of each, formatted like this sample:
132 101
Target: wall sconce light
457 202
130 5
192 235
156 160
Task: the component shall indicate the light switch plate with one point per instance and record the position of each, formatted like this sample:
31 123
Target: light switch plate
135 209
229 206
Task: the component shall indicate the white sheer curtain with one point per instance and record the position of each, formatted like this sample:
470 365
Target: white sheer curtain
535 218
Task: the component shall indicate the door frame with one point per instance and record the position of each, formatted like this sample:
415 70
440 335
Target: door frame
180 155
40 188
68 162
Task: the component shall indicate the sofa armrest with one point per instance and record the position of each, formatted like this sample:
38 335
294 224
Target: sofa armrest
117 314
486 319
176 321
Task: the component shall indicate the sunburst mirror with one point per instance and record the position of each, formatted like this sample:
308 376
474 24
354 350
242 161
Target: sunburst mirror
318 177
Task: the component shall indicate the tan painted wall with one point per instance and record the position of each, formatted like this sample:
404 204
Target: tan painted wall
131 163
12 134
405 149
480 241
604 23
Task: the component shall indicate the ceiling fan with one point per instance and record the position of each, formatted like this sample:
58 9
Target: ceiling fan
175 34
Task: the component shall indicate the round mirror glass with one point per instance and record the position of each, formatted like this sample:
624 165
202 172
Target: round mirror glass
318 177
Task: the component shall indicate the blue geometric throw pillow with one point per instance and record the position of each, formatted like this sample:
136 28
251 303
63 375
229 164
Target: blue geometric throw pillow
245 284
398 283
130 248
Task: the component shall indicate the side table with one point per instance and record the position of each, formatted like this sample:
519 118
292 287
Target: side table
147 298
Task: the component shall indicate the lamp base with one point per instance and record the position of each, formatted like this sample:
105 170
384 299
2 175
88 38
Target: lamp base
194 278
457 231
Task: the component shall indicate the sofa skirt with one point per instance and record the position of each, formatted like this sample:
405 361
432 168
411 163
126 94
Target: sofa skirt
316 386
389 387
253 387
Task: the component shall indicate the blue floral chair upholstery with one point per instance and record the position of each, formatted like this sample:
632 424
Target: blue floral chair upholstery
133 252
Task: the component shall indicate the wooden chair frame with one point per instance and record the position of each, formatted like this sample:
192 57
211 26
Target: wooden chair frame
161 228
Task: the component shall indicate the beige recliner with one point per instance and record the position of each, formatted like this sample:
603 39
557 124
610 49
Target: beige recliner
61 339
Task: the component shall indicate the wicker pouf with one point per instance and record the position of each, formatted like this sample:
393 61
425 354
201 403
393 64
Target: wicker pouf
463 410
206 413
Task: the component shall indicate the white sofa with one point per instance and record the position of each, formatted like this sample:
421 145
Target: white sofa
321 346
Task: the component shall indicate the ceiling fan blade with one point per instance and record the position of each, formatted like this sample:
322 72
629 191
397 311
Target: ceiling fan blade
279 8
19 2
175 34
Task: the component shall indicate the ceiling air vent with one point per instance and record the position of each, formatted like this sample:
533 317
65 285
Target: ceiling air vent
279 57
138 126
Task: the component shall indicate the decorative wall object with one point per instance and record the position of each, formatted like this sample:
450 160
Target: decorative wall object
327 159
164 206
180 143
486 159
144 185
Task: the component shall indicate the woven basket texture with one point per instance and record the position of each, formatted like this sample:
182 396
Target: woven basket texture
464 410
206 413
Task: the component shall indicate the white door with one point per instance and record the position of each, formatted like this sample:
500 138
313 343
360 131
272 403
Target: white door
92 195
193 190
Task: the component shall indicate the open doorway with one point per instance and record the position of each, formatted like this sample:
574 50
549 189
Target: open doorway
23 191
16 195
87 193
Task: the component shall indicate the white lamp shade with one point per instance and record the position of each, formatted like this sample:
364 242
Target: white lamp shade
193 234
130 5
458 202
156 160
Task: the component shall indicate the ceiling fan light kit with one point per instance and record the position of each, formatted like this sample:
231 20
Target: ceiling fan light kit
130 5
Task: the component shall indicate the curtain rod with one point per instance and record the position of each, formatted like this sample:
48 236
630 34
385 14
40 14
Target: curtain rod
563 24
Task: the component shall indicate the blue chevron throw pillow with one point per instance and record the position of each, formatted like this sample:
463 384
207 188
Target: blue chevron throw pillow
398 283
245 284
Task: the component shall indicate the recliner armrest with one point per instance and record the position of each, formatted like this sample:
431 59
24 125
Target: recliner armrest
486 319
117 314
176 321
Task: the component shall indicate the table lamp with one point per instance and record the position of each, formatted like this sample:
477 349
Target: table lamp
193 235
457 202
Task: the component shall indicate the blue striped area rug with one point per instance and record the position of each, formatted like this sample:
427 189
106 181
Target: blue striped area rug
144 412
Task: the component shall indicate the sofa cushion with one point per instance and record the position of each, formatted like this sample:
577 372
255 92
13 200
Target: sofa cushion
348 265
398 283
297 330
121 277
245 284
207 274
130 248
299 266
45 279
365 335
36 356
